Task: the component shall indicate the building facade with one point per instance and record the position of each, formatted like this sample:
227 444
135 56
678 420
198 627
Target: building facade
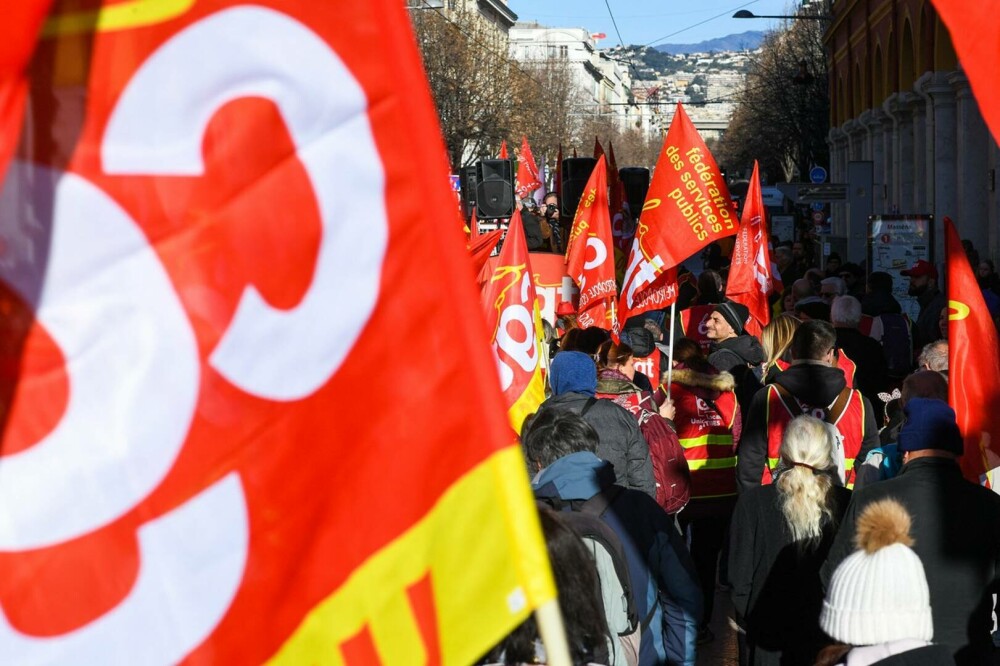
900 100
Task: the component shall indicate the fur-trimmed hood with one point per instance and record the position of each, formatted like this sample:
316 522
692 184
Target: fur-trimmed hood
722 381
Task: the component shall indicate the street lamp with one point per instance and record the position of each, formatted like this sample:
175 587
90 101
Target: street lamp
747 14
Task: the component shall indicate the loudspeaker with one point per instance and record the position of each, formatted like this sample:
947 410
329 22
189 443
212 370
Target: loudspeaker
575 173
494 189
636 183
467 190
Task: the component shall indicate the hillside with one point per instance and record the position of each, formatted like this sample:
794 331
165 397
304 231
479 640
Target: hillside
744 41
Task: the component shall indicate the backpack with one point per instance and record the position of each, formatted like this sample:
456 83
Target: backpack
585 517
897 344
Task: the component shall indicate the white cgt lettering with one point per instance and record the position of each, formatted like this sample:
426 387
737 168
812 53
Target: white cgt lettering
157 128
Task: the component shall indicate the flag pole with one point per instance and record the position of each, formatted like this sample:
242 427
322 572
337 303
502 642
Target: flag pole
670 354
550 626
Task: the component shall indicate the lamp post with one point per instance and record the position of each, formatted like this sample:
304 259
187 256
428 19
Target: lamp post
747 14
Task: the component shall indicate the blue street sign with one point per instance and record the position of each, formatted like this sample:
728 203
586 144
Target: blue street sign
818 205
817 175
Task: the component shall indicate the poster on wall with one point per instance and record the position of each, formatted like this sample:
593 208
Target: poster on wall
895 242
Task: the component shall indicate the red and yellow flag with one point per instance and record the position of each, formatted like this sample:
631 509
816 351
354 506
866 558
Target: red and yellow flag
590 259
688 207
527 171
214 449
973 363
750 271
976 36
514 320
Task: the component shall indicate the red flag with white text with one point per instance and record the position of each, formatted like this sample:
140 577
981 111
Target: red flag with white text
687 207
749 280
514 320
590 258
527 171
973 363
976 36
213 237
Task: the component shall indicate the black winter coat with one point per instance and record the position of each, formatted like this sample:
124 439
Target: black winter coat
956 530
776 588
740 357
871 375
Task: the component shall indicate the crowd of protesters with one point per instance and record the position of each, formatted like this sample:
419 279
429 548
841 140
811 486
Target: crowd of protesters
811 472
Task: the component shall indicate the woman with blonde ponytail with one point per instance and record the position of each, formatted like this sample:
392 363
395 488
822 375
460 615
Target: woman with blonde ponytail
778 540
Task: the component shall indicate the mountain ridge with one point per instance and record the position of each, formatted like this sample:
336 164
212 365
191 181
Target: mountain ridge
748 40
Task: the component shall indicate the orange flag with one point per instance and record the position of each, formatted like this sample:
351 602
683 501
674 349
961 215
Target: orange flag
165 498
503 150
590 259
515 324
688 207
527 171
750 271
973 363
974 32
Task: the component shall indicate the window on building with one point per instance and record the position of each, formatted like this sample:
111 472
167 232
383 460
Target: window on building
552 50
564 51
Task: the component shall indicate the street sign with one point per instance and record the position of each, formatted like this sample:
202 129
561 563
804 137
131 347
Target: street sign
823 192
818 205
817 174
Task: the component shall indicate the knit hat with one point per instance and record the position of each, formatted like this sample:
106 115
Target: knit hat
879 593
930 424
640 340
735 314
573 372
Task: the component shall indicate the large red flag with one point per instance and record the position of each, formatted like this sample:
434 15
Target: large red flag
973 363
527 171
688 207
218 448
514 320
590 258
976 36
750 271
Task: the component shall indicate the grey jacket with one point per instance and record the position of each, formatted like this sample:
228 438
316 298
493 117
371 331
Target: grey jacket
621 443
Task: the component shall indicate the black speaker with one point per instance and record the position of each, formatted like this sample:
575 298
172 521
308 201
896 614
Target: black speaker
636 183
575 173
467 189
494 189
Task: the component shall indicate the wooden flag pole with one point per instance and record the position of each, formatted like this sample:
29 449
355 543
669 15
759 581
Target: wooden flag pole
550 626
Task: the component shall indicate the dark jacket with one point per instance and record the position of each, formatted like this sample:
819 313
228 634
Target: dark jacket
740 357
871 375
658 561
621 443
927 329
816 385
929 655
956 530
879 303
532 231
776 587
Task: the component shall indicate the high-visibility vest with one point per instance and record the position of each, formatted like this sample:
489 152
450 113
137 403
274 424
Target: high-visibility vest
705 430
693 324
849 423
844 362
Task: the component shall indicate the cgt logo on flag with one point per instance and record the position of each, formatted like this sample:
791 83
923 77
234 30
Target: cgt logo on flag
186 471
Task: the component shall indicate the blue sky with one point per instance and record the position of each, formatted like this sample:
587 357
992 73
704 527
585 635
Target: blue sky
658 21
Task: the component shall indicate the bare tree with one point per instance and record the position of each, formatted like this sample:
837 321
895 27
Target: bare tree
782 114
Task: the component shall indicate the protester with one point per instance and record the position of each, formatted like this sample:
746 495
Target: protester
573 378
709 289
615 374
934 357
878 605
924 285
775 339
986 276
870 371
732 349
780 536
587 632
879 299
707 419
956 529
832 287
561 446
852 276
833 263
811 385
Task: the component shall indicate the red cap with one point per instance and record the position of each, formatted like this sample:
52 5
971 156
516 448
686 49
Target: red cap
920 269
565 308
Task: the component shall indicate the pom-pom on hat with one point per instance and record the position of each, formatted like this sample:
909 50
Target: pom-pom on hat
879 593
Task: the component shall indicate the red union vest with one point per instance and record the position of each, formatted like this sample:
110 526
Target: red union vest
693 324
849 424
705 430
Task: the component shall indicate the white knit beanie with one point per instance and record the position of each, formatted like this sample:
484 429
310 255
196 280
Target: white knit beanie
879 593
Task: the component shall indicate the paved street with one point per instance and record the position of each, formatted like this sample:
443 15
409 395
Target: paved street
721 651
